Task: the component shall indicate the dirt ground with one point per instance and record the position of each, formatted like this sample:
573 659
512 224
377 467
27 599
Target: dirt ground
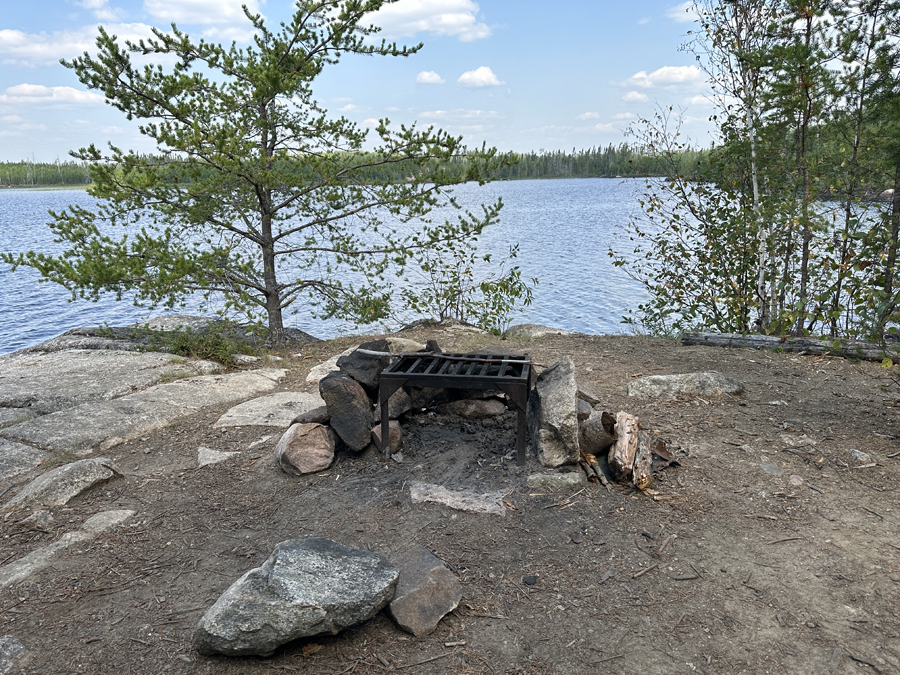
731 568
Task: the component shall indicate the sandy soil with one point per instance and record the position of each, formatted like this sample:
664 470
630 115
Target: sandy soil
732 569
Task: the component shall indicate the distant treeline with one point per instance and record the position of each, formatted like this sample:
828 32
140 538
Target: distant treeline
611 161
40 174
620 160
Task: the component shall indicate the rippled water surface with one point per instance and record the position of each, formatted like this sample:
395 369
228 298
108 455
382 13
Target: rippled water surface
564 229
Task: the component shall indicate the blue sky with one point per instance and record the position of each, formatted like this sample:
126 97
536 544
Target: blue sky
524 75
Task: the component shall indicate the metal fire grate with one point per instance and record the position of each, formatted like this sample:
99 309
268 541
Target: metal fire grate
508 373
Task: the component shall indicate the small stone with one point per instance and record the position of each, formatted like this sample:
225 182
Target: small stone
426 593
315 416
530 580
584 410
38 520
305 448
398 404
859 455
772 469
557 481
207 456
395 435
586 395
474 409
796 480
462 500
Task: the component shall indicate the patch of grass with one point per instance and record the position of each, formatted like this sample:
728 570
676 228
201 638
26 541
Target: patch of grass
173 375
210 344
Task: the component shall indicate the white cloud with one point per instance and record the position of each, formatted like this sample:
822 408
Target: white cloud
348 108
371 122
623 116
604 127
113 130
668 76
101 9
480 77
460 114
405 18
686 12
429 77
41 49
643 21
589 116
635 96
201 12
697 100
39 94
11 119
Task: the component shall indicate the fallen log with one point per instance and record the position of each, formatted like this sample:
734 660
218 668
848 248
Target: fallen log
850 349
623 453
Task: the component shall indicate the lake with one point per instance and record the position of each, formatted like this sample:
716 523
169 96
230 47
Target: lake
564 229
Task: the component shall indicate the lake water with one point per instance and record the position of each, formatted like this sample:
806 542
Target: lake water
564 229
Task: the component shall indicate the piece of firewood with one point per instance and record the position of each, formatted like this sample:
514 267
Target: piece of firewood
642 473
622 454
588 471
594 464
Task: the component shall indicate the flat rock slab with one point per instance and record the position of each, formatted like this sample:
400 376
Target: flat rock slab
16 458
557 481
700 384
57 487
207 456
49 382
530 331
10 416
306 587
40 558
273 410
426 593
461 500
108 423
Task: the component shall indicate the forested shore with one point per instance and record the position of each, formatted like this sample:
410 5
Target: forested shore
612 161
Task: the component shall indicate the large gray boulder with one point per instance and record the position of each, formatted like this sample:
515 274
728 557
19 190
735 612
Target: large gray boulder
700 384
305 448
553 415
57 487
426 593
349 409
306 587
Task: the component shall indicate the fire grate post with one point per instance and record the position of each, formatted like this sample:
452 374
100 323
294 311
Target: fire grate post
510 374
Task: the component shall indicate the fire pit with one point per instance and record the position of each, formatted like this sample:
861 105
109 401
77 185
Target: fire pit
507 373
